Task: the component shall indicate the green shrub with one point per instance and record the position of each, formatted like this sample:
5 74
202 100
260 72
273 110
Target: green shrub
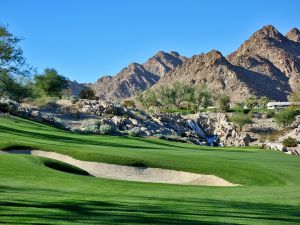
87 93
223 103
240 120
106 129
270 114
285 117
290 142
45 101
129 104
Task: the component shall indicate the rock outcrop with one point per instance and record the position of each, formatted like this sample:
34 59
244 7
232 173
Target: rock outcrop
105 117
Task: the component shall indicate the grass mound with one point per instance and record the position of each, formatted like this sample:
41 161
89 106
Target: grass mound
63 167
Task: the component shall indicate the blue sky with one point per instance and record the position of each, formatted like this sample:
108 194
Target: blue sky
85 39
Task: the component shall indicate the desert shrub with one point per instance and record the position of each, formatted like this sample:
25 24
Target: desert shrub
262 102
129 104
270 114
246 111
135 132
240 120
106 129
90 126
251 102
45 101
285 117
87 93
223 103
294 97
290 142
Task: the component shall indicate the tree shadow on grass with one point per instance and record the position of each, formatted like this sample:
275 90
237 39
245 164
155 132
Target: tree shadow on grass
139 210
65 139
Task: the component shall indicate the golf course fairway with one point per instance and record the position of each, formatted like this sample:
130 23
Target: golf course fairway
37 190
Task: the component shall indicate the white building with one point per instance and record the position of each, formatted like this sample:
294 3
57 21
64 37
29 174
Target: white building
281 105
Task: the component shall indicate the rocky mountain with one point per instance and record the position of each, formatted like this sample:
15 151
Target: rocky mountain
270 53
137 77
162 62
76 87
126 83
267 64
293 35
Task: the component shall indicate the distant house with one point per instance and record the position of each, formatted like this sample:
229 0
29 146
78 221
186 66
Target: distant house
281 105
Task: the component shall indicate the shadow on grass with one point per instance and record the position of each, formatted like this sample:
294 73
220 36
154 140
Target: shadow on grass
142 210
66 139
72 140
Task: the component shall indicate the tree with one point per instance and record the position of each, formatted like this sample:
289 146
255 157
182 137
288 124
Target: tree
240 120
87 93
262 102
148 99
223 103
14 90
202 97
50 83
285 117
14 71
166 97
251 102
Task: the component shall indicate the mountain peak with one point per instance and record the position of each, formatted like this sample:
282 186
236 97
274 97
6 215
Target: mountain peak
215 54
294 35
162 62
268 31
215 57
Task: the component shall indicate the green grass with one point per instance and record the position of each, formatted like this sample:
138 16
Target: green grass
33 193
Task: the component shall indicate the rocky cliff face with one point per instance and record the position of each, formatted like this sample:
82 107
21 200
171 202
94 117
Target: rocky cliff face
137 77
128 82
267 64
76 87
162 62
270 53
293 35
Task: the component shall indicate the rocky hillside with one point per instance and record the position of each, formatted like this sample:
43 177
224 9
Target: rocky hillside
270 53
137 77
267 64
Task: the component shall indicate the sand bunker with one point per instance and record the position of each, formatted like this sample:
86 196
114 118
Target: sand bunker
130 173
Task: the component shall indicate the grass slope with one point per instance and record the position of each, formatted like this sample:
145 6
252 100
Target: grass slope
32 193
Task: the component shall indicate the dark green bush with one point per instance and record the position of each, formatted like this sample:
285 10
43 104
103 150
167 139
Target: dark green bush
87 93
129 104
270 114
290 142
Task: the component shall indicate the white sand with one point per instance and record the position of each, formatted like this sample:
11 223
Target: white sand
129 173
